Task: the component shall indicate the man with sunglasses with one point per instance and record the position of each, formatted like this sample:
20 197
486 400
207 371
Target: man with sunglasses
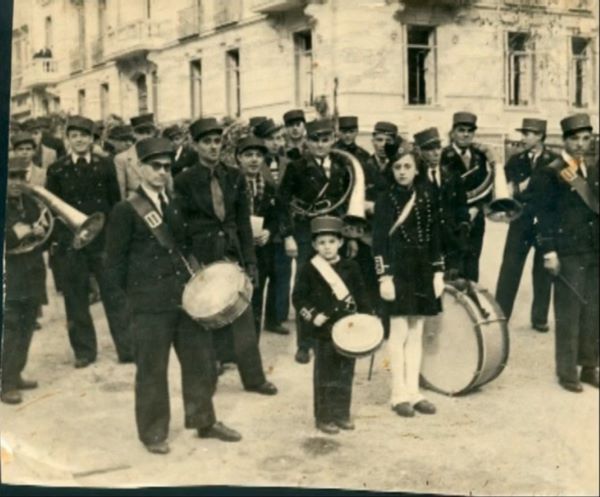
310 183
215 209
145 262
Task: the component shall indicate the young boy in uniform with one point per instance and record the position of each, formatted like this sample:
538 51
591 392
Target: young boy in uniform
329 288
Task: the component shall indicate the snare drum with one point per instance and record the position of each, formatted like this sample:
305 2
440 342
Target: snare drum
217 294
467 345
357 335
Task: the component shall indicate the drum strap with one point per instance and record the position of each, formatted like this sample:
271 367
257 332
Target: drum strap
146 210
404 214
333 279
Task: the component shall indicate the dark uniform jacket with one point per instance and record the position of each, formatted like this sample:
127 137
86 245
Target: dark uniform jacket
25 274
566 224
268 206
203 234
312 295
151 275
305 181
88 188
187 158
519 168
360 153
473 176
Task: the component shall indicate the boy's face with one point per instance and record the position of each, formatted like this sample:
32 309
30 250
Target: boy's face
251 160
275 142
25 151
80 141
327 245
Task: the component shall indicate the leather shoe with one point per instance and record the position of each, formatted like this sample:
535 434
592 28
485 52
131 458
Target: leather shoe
344 424
571 386
404 409
277 328
590 376
23 384
267 388
11 397
158 448
82 363
329 428
302 356
541 327
221 432
424 407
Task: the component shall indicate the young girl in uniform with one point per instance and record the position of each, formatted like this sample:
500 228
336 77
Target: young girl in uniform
408 262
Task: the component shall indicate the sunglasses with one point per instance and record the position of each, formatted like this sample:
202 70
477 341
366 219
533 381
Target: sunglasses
157 166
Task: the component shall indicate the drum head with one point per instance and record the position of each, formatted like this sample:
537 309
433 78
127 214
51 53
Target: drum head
212 289
357 335
451 349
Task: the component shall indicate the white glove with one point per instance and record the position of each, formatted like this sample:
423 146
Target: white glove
387 290
438 284
291 248
320 319
551 263
473 211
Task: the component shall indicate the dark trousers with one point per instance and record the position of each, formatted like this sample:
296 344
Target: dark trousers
76 267
153 336
238 343
519 240
303 239
332 381
19 323
265 266
471 261
577 325
278 291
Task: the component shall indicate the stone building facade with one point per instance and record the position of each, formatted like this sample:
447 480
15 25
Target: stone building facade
414 62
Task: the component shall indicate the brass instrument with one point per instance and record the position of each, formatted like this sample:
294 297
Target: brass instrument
84 228
502 208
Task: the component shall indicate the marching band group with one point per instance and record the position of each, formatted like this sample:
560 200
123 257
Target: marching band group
378 234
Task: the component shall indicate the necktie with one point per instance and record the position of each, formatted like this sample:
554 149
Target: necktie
163 203
217 197
435 178
81 162
464 155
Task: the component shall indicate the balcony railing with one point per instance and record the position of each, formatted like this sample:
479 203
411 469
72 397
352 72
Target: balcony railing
189 21
98 51
228 12
40 72
138 36
270 6
77 60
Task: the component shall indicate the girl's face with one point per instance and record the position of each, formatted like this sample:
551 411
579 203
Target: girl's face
405 170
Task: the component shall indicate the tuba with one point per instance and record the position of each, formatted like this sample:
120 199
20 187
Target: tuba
84 228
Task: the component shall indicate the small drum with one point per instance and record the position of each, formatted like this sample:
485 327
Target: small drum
217 294
467 345
357 335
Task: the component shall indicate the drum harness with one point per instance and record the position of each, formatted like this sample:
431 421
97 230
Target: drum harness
335 282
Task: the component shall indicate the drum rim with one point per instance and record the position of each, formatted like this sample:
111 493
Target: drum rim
476 318
367 352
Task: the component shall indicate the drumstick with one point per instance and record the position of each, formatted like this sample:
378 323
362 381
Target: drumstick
570 286
371 366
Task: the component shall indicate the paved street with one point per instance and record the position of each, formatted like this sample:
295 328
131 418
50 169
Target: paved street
521 434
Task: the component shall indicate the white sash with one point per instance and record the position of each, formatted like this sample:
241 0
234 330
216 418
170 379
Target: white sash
333 279
404 214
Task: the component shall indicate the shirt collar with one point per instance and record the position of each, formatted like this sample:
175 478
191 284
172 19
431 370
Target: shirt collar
87 157
154 196
459 151
569 159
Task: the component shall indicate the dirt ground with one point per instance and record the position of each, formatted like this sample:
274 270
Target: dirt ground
519 435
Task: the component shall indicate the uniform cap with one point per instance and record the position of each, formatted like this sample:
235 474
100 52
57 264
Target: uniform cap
251 142
81 123
255 120
576 122
427 138
265 128
348 122
42 122
465 118
326 224
171 132
530 124
121 132
152 147
293 115
143 121
385 127
204 126
22 137
319 126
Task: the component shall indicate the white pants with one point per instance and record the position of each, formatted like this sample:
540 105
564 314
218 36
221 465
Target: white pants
405 346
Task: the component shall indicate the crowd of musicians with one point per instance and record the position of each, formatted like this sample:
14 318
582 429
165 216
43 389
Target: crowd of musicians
174 205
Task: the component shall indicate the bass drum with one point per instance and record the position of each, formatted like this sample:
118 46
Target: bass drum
217 295
467 345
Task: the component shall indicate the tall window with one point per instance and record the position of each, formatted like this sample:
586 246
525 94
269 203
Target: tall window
81 102
101 17
519 69
196 87
155 93
582 72
104 100
232 62
48 42
142 94
421 61
303 56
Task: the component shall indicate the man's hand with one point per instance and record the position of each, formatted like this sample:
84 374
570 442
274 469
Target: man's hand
22 230
473 211
320 319
352 248
551 263
263 238
369 207
291 248
438 284
387 290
